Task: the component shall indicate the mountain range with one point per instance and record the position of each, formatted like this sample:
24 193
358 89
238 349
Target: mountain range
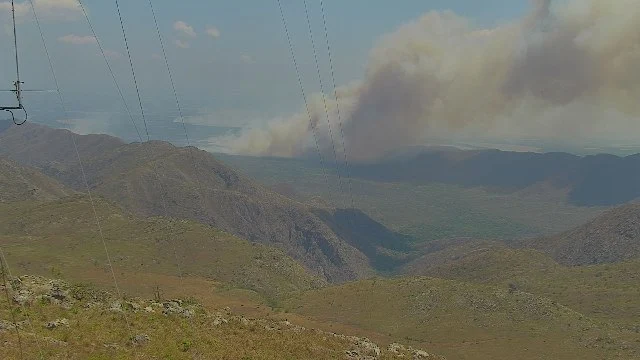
595 180
609 238
158 179
179 220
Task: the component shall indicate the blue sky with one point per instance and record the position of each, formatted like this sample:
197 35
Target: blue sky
241 74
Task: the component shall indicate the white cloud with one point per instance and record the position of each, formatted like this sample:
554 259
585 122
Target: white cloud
58 9
184 29
77 39
247 59
182 44
213 31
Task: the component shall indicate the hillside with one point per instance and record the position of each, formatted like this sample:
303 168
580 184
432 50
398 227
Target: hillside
18 183
595 180
80 322
195 185
462 320
61 237
608 292
51 150
430 211
611 237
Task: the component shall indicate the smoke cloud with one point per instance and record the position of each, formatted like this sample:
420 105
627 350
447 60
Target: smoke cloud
569 71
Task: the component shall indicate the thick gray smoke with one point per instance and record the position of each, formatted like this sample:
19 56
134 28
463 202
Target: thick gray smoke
569 71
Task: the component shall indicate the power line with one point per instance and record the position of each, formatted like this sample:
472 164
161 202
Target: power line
335 93
154 167
324 98
15 45
133 71
177 99
304 97
104 56
169 72
75 147
10 303
3 260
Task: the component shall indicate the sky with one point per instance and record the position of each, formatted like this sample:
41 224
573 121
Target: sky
230 59
533 74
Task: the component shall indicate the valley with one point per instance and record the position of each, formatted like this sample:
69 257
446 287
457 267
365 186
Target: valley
425 211
338 270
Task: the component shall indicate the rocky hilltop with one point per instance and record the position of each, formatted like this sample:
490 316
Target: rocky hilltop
78 322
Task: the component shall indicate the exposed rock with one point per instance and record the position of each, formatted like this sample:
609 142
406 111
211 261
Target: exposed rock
133 306
174 307
219 320
116 307
23 297
57 293
56 324
5 326
141 339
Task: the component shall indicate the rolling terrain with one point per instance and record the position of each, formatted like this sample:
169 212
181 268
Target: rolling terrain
463 298
58 320
22 183
61 237
159 179
607 292
594 180
611 237
428 211
464 320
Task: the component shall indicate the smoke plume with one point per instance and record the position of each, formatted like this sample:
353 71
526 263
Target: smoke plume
569 70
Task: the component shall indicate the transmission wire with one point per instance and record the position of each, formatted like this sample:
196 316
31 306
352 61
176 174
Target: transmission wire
126 106
82 170
177 100
304 97
113 76
154 165
133 72
186 134
335 93
9 302
324 98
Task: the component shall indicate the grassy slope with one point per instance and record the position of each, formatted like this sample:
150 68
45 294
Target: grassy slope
61 236
193 185
469 321
605 292
610 238
21 183
427 211
94 331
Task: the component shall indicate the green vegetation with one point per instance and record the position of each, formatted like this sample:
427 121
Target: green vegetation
426 212
462 320
607 292
62 235
57 321
480 299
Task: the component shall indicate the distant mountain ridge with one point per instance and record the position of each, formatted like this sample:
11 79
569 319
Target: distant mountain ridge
611 237
195 185
595 180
